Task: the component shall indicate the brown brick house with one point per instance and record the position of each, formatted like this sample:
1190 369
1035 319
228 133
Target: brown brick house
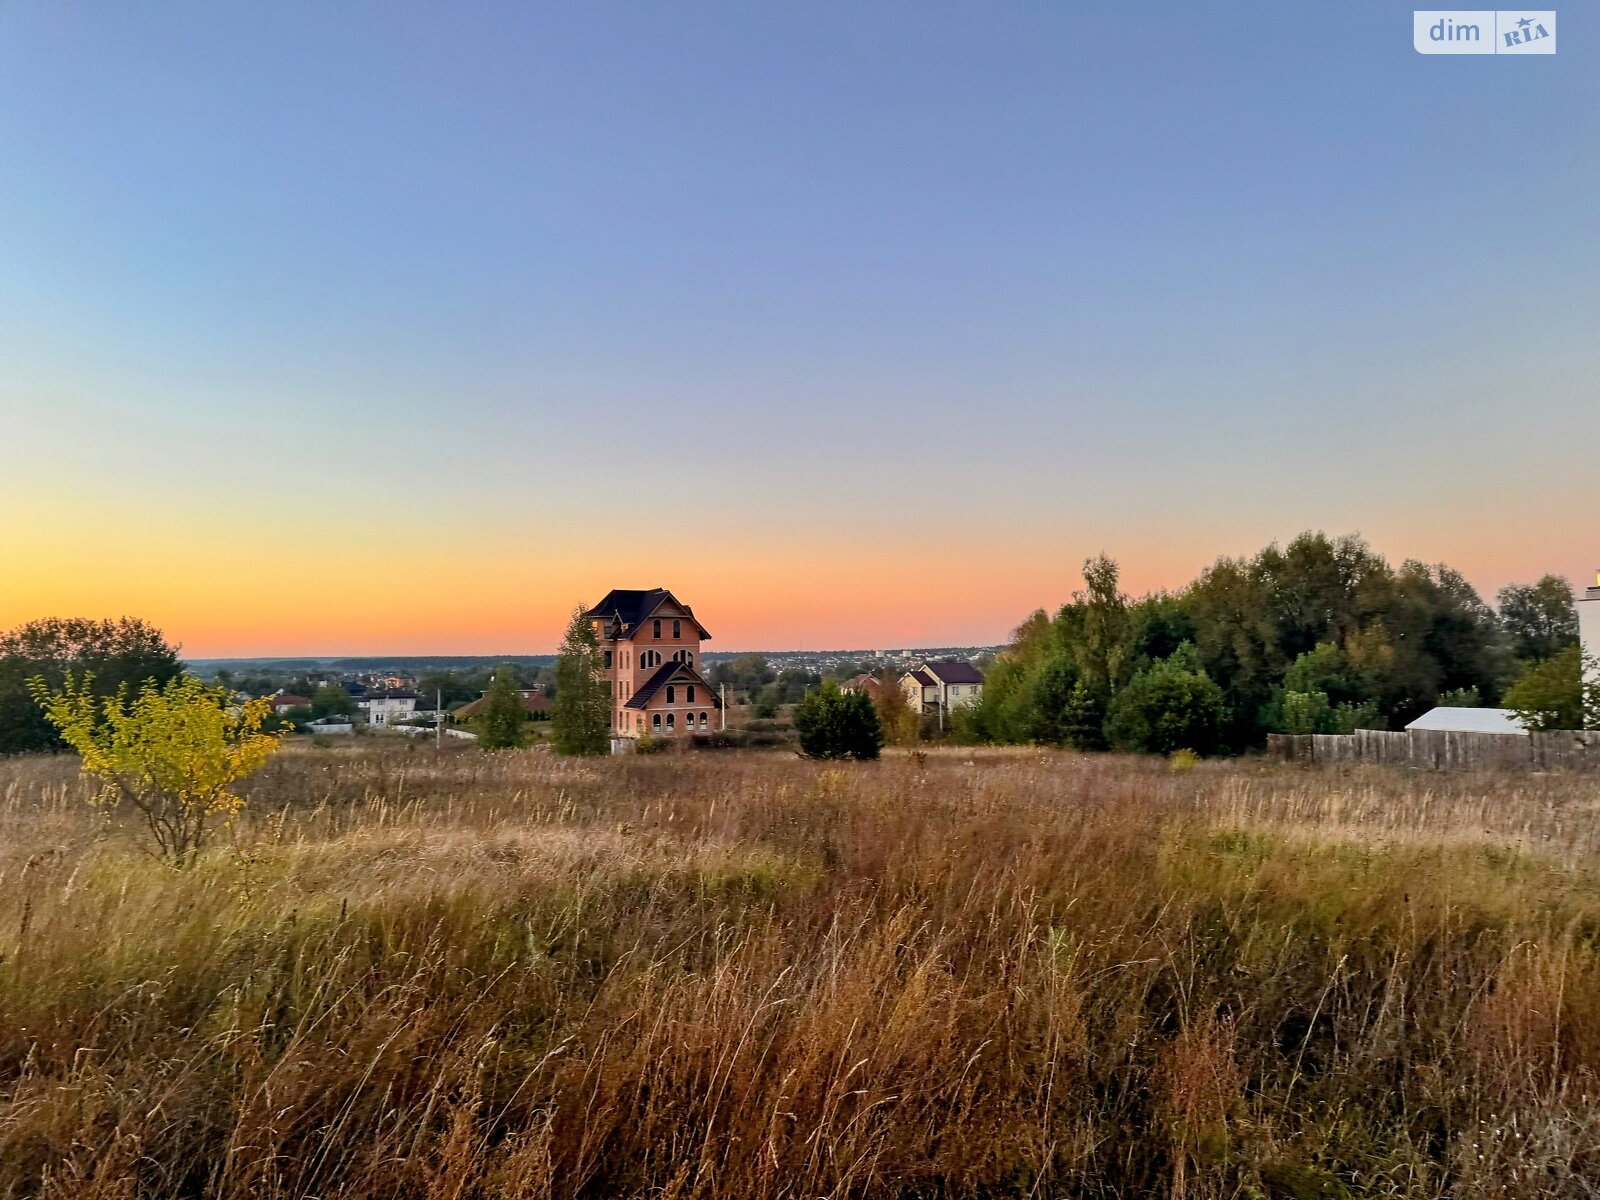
650 645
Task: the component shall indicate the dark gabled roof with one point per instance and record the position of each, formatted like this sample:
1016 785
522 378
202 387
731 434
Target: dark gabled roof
289 699
923 678
390 694
633 606
954 672
670 673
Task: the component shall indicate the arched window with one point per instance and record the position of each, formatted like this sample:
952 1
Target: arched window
689 697
650 658
657 629
672 694
655 720
686 657
677 629
669 722
702 722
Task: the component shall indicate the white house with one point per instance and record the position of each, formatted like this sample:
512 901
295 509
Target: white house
387 705
1589 632
942 686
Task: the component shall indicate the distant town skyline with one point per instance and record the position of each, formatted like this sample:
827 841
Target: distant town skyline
395 328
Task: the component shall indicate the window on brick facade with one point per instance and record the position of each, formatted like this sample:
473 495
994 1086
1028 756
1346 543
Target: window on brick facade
669 722
655 720
656 632
689 696
677 629
672 694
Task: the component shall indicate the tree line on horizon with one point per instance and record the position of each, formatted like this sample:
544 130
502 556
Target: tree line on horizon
1322 635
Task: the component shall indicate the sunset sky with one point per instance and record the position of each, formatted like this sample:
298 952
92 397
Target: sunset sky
388 328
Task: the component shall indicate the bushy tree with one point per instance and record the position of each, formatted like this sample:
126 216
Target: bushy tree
331 700
172 751
581 720
835 724
1554 695
501 724
895 718
107 654
1050 699
1319 634
1540 619
1171 705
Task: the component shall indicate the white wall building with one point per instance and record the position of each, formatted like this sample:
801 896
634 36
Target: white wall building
387 706
1589 634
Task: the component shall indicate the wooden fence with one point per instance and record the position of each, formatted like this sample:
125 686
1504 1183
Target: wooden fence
1439 750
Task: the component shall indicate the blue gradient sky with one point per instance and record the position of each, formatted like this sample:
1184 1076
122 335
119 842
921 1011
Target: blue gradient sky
343 328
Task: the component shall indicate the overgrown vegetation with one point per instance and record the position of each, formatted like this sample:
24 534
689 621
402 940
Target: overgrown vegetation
836 724
960 972
1320 636
171 752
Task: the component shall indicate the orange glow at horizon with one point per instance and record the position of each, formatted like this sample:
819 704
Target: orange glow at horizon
292 591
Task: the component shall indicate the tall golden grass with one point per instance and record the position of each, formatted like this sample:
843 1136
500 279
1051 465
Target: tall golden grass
414 974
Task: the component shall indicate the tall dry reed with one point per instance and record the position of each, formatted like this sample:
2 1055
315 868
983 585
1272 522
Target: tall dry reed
459 975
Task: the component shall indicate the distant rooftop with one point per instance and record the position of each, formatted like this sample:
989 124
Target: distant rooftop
1470 720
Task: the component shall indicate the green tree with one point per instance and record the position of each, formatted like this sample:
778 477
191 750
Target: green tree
1552 694
331 700
581 720
1540 619
835 724
500 726
1051 697
1097 630
107 654
895 718
1168 706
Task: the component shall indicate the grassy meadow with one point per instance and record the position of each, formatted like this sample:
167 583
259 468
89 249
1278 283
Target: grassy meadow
456 975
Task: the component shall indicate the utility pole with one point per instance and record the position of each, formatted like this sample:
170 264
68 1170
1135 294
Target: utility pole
438 718
724 706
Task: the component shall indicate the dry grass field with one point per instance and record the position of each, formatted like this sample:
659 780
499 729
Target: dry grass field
739 976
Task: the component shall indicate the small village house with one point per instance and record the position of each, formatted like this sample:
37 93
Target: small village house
535 704
864 682
650 650
284 702
942 687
